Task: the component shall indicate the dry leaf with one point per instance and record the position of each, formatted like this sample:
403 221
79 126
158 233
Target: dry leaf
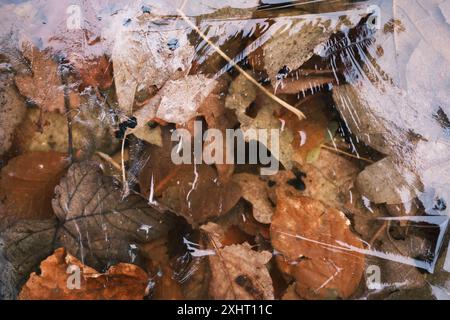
330 179
27 184
387 182
312 238
121 282
97 224
293 40
238 272
44 87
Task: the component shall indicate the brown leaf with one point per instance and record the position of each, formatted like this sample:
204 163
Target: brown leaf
95 72
238 272
121 282
192 191
97 224
166 287
12 111
255 191
27 184
312 132
310 236
330 179
44 87
23 245
218 117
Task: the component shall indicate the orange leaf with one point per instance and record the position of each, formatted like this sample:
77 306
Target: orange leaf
44 87
311 238
121 282
27 184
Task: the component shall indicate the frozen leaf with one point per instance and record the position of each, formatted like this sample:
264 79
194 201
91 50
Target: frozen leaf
95 72
57 281
147 54
44 87
150 135
387 182
97 224
165 286
197 194
190 190
12 111
28 182
330 179
241 96
23 245
255 191
238 272
312 238
92 130
310 133
178 101
384 78
293 41
218 117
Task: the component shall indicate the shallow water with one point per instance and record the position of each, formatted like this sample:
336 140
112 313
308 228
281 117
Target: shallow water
371 77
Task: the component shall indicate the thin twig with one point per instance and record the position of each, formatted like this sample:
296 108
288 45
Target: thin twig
286 105
110 160
378 233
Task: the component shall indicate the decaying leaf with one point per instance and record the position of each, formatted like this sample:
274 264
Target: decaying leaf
44 87
165 287
97 224
186 194
254 190
330 179
27 184
23 244
12 111
91 131
95 72
289 47
182 187
387 182
238 272
178 101
241 96
312 132
146 54
121 282
218 117
314 241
